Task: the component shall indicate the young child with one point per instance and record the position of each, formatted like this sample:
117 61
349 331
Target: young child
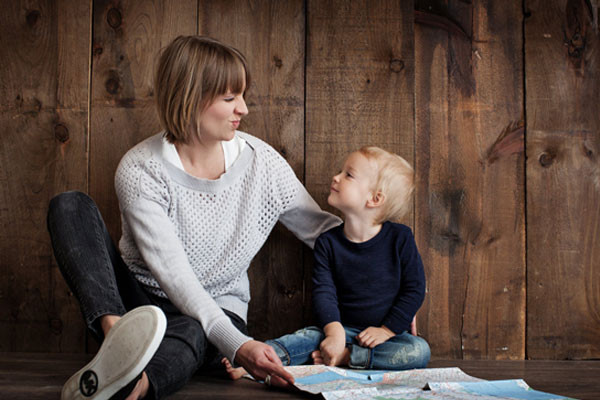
368 278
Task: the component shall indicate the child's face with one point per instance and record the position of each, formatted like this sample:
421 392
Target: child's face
353 186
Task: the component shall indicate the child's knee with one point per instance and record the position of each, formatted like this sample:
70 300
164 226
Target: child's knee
414 353
423 350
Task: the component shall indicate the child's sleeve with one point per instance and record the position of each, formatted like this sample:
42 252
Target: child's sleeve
324 294
412 289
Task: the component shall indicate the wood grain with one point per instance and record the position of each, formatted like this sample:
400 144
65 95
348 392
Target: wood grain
128 37
359 84
562 49
43 131
447 84
271 36
470 172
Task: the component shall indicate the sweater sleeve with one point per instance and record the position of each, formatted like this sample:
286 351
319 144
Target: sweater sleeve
306 220
302 215
163 253
412 290
325 301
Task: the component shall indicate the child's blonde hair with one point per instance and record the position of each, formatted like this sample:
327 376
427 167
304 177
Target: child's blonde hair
395 180
192 71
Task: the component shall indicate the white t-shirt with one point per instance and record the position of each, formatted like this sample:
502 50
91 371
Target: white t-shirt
231 151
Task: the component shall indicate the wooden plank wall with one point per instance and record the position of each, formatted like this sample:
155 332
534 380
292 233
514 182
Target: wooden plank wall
43 150
563 179
470 176
496 106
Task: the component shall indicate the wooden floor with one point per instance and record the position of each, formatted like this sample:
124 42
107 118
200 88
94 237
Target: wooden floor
40 376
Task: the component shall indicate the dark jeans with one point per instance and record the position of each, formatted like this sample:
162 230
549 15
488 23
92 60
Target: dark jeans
102 283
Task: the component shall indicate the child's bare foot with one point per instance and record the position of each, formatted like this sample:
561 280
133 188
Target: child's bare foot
234 373
317 358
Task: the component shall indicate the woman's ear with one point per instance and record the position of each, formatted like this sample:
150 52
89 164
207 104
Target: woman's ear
376 200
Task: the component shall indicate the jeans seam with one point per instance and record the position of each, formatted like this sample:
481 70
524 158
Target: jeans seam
287 354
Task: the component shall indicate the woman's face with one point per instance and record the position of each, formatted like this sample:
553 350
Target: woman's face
221 119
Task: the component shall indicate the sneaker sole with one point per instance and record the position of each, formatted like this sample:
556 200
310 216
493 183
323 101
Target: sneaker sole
125 352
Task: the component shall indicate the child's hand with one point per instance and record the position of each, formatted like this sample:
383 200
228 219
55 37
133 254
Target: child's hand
373 336
332 350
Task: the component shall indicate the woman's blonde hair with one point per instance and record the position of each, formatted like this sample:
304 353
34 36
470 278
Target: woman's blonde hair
395 180
192 71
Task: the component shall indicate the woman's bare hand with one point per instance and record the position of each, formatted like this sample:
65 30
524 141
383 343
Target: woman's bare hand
260 360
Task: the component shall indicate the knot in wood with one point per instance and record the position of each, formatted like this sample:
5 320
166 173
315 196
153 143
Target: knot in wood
278 62
113 83
61 133
546 159
114 18
56 326
396 65
97 49
32 17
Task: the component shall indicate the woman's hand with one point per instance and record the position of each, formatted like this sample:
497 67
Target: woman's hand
260 360
373 336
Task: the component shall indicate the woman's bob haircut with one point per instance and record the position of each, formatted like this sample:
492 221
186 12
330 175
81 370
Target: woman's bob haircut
192 71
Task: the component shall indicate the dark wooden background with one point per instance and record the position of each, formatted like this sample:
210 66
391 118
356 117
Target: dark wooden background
496 103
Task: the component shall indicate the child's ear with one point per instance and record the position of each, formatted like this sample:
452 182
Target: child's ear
376 200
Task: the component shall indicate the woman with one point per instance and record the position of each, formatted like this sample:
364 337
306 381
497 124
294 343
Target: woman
197 202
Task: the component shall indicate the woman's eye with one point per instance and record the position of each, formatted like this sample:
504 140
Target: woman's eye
229 99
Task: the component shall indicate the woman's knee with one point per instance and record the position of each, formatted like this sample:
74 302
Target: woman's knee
186 336
66 203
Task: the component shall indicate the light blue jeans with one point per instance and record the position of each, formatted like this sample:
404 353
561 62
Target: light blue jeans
403 351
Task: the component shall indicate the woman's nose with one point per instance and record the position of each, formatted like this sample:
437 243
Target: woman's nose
240 107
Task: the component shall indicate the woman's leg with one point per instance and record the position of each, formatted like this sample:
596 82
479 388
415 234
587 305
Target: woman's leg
89 261
296 348
183 350
101 282
401 352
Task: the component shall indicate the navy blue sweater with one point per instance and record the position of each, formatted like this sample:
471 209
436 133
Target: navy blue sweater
377 282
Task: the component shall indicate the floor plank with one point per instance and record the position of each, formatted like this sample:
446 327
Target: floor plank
34 376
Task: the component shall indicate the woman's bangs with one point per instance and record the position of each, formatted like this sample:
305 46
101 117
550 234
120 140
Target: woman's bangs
236 76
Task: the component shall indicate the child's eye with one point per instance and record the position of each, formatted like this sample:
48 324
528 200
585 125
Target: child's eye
229 99
349 175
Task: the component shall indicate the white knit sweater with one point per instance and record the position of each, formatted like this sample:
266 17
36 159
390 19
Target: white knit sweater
192 240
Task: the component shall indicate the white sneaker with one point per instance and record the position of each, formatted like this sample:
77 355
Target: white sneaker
125 352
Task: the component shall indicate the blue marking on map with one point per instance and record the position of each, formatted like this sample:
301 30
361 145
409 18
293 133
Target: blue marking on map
329 376
507 388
